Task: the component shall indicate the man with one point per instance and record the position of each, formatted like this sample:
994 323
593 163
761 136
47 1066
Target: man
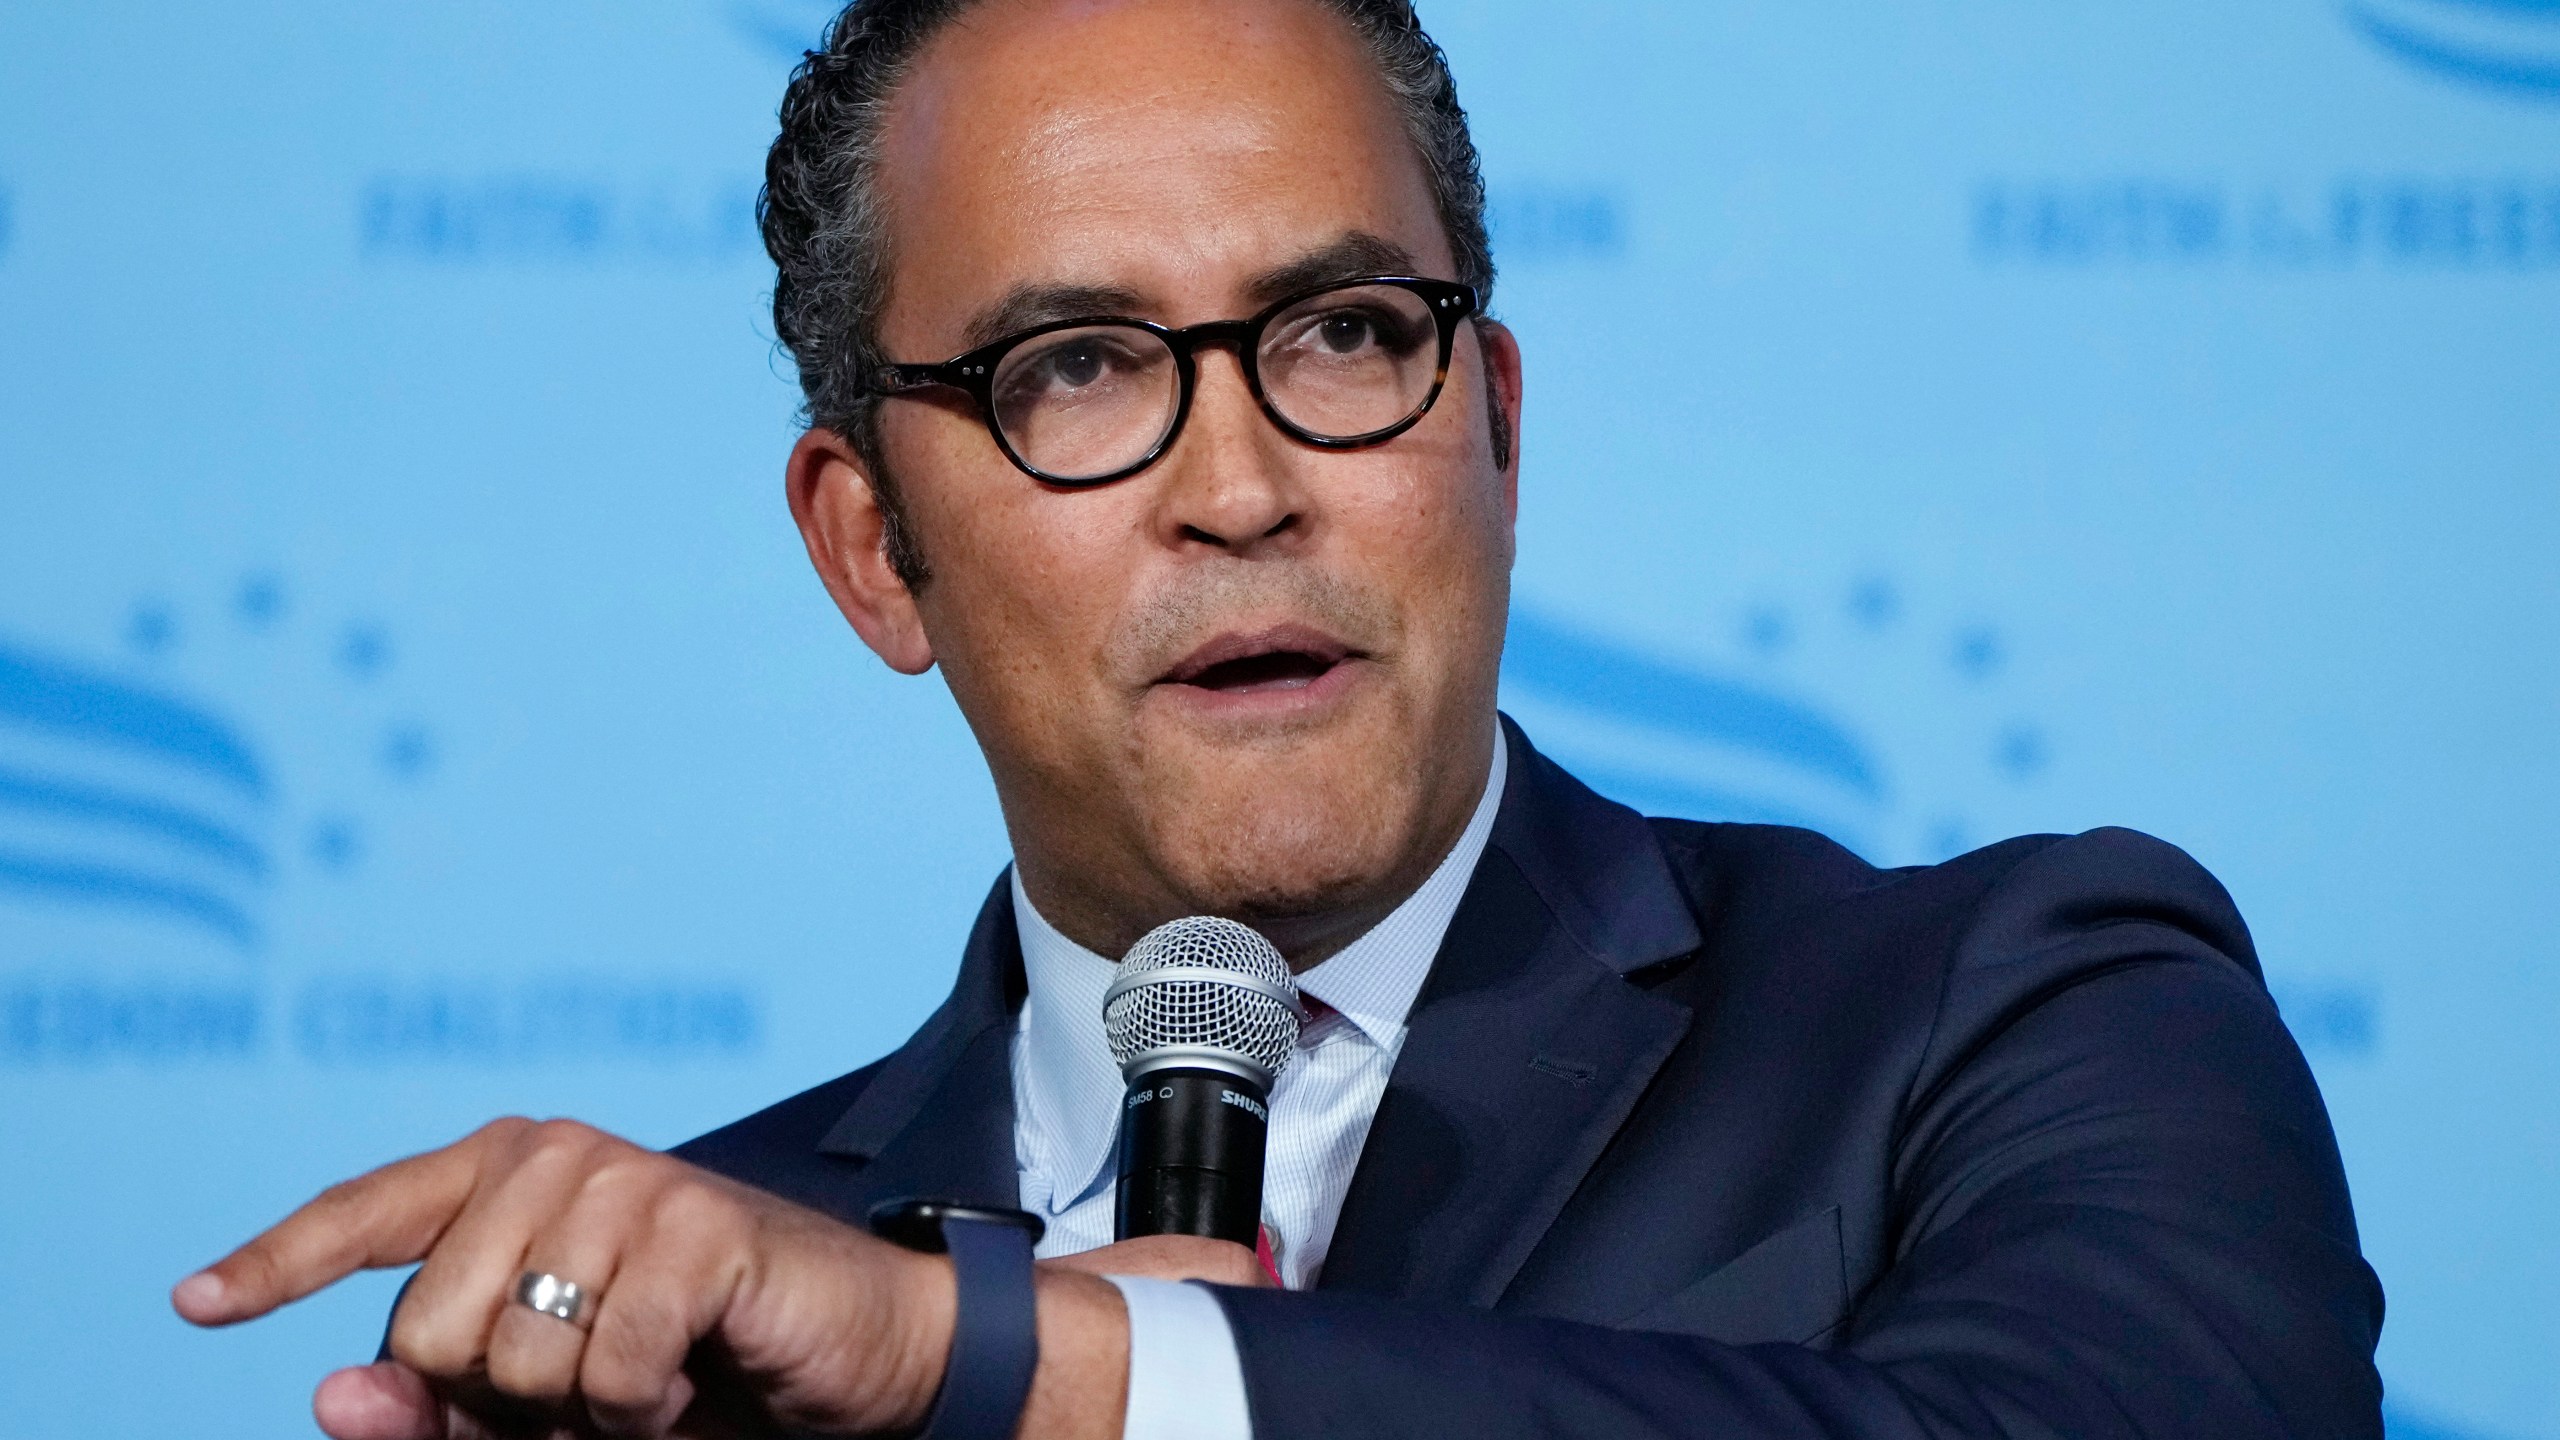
1607 1126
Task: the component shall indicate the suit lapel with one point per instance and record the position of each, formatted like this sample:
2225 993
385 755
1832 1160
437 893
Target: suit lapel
938 1119
1526 1050
1527 1047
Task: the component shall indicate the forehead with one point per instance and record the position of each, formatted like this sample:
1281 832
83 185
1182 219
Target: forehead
1164 147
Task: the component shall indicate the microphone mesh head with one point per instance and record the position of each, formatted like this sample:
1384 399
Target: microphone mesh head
1162 1000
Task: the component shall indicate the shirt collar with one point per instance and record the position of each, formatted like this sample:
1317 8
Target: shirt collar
1070 1098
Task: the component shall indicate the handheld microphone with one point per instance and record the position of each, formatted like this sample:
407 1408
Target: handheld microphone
1203 1018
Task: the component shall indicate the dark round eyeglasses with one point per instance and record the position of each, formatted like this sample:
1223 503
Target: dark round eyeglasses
1090 401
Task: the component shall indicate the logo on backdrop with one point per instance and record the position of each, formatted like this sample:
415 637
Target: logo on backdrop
524 218
166 864
2412 224
530 219
125 796
1927 762
1743 742
2511 46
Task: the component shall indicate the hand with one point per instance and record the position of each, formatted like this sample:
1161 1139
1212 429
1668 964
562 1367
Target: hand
1173 1257
811 1325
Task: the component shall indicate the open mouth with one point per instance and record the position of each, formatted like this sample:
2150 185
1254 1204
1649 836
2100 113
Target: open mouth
1287 658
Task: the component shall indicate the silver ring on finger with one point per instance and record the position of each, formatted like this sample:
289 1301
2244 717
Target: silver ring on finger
560 1299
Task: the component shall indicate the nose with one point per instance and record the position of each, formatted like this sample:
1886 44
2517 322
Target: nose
1232 482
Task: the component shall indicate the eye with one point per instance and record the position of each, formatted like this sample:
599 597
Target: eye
1351 331
1344 331
1074 365
1078 362
1073 362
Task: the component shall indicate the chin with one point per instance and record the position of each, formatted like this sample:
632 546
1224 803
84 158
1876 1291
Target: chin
1264 847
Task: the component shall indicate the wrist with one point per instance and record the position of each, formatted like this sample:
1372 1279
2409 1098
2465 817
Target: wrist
1082 1389
925 1316
886 1324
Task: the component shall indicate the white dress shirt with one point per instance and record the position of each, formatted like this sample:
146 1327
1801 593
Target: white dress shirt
1185 1382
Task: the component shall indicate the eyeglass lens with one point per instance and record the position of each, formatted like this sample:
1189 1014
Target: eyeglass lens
1091 401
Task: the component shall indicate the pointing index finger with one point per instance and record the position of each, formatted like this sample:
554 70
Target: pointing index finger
390 1216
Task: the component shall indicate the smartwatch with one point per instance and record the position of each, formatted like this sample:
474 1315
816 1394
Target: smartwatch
995 1336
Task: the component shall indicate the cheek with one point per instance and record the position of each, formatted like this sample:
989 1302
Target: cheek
1023 578
1437 534
1438 497
1441 544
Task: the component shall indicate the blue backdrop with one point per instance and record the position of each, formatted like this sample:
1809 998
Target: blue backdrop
1943 421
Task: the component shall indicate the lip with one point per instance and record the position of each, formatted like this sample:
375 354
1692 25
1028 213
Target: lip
1244 645
1335 667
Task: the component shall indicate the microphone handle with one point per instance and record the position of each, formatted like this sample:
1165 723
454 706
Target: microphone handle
1191 1150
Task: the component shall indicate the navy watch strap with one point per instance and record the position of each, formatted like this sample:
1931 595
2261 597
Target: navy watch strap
995 1338
995 1335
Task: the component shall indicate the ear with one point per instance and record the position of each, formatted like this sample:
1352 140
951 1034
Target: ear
840 520
1501 351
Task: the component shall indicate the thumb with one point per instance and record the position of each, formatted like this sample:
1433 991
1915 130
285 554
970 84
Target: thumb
384 1401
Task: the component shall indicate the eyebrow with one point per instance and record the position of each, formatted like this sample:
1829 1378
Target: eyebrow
1027 305
1354 254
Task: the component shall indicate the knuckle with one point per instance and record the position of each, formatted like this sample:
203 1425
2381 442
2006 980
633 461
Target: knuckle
565 1134
693 1208
499 1141
430 1349
625 1169
546 1139
573 1143
623 1181
340 1203
615 1383
516 1370
622 1372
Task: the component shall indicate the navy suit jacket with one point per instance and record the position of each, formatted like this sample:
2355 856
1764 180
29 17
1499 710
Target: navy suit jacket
1716 1130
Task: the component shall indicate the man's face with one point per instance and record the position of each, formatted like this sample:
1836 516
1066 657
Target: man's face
1258 677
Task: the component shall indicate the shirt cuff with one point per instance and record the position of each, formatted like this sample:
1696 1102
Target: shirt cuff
1185 1381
